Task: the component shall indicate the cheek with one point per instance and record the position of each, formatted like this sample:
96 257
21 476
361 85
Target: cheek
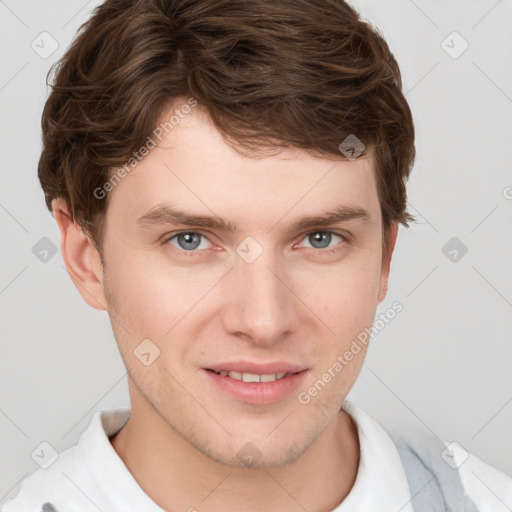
153 294
344 296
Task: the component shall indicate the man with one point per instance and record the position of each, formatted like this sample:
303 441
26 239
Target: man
228 178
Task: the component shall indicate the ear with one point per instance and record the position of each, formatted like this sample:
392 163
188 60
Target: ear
386 261
82 260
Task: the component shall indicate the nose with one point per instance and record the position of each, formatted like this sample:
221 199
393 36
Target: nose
261 306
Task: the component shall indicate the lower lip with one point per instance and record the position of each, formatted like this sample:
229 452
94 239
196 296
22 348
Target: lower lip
258 392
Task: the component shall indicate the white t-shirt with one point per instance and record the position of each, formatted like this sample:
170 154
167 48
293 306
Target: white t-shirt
90 476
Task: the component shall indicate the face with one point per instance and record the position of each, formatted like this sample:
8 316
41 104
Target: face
255 285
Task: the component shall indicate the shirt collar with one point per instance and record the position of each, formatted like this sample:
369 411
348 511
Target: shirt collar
381 483
112 476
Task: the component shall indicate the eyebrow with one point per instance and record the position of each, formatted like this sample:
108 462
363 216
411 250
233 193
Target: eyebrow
164 215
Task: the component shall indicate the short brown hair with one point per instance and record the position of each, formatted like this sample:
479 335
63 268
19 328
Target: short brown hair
291 73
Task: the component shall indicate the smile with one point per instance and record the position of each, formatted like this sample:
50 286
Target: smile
253 377
264 387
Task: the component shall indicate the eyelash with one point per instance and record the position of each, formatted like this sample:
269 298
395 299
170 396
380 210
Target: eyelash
338 247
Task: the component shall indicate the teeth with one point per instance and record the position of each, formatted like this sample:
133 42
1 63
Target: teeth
253 377
250 377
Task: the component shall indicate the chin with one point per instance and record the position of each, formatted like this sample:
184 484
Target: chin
252 457
256 452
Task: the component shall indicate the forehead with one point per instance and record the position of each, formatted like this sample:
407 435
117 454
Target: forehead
194 168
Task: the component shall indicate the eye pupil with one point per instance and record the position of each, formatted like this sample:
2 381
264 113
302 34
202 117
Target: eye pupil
323 238
191 240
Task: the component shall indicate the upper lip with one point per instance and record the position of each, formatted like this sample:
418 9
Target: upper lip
257 368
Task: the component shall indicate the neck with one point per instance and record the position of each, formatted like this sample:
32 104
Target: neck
177 476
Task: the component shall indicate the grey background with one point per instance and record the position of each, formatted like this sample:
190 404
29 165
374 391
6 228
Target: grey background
443 363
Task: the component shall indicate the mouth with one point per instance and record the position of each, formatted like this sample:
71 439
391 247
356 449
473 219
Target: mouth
256 384
253 377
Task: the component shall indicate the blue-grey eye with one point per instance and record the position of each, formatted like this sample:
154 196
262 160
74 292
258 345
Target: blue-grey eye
188 241
321 239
